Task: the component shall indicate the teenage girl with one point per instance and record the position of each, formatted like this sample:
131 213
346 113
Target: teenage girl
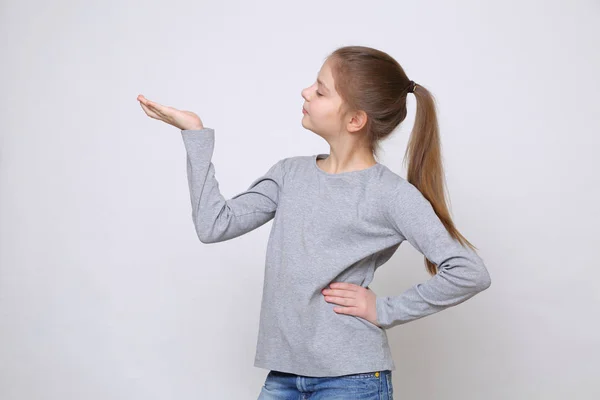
337 217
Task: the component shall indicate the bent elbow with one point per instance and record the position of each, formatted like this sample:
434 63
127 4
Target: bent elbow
204 236
484 281
480 273
205 240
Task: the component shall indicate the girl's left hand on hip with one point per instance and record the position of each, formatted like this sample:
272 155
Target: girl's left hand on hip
356 300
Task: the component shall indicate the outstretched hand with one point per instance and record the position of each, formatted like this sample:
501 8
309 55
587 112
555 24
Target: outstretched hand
184 120
357 300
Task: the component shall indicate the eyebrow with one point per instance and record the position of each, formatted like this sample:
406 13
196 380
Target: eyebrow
322 84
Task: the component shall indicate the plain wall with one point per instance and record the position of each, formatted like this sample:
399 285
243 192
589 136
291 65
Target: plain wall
107 293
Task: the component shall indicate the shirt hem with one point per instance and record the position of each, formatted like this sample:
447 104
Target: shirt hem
320 373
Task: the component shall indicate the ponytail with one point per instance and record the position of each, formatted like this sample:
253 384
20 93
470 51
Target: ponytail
425 170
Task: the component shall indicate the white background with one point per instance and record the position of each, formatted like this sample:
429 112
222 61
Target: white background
105 290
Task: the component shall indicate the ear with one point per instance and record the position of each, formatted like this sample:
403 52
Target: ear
357 122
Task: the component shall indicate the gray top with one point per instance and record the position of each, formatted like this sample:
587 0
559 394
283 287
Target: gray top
330 228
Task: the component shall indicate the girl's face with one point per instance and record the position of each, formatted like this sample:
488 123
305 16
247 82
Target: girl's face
321 105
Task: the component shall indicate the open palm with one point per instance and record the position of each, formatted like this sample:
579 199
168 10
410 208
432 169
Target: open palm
172 116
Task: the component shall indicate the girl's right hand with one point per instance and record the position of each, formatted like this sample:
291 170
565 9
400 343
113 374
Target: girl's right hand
184 120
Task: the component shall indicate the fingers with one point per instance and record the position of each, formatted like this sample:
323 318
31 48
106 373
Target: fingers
158 108
339 292
344 301
154 109
149 112
143 100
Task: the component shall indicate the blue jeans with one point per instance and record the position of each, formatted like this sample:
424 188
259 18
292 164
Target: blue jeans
363 386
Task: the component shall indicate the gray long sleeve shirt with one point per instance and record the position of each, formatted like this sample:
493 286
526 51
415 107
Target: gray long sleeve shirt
330 228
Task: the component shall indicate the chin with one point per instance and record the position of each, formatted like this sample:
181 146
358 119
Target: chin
312 130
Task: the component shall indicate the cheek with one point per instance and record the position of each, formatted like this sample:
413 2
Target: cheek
328 114
323 110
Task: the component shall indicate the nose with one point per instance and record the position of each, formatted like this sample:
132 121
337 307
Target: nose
302 94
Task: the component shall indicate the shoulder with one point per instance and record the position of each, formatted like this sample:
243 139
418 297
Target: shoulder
292 160
288 166
400 194
292 163
393 183
397 184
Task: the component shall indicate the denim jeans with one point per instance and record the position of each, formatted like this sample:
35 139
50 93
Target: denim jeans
364 386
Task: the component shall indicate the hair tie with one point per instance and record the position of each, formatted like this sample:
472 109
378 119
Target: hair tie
412 86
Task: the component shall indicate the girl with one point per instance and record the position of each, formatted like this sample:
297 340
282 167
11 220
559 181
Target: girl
337 217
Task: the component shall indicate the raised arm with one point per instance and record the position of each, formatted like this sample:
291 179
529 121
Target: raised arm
461 272
218 219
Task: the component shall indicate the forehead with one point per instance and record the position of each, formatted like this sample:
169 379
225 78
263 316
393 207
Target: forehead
325 77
